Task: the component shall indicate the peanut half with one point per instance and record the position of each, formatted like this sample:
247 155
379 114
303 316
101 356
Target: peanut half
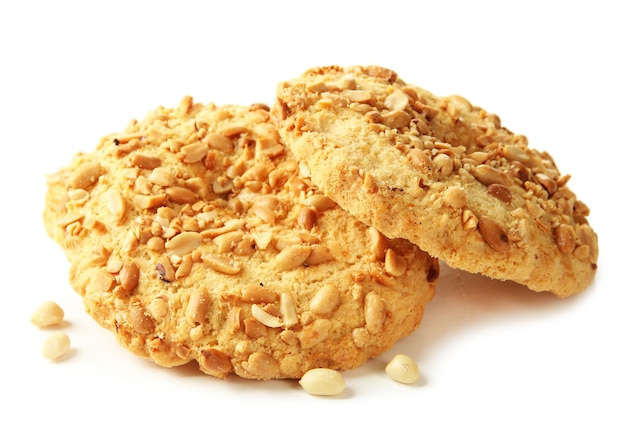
403 369
47 314
323 382
56 346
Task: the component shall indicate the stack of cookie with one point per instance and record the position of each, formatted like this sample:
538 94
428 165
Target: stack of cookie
268 241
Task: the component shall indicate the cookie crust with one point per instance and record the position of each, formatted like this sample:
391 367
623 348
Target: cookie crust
195 235
440 172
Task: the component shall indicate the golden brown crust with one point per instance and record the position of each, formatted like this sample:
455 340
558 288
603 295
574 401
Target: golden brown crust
440 172
195 235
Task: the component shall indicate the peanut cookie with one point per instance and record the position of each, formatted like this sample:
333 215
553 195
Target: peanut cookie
195 235
440 172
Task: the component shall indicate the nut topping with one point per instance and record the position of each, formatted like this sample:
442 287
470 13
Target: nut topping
85 176
140 320
397 100
291 257
257 294
394 265
565 237
488 175
261 365
288 310
198 306
420 160
129 276
144 161
215 362
184 243
493 235
325 301
180 195
375 313
314 333
500 192
455 197
221 264
319 202
264 317
194 152
116 204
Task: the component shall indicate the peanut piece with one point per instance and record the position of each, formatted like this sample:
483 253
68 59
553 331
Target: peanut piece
396 119
288 310
220 142
145 201
375 313
264 317
402 369
319 255
184 243
515 153
493 235
194 152
148 162
314 333
319 202
198 306
56 346
323 382
443 164
325 301
85 175
307 218
420 160
378 244
565 237
358 96
500 192
254 293
261 365
215 362
221 264
291 257
180 195
455 197
129 276
47 314
394 265
488 175
397 100
116 204
161 177
140 320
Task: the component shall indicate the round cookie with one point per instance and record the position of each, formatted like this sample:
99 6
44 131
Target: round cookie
195 235
440 172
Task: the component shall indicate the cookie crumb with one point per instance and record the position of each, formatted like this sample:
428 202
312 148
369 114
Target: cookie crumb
47 314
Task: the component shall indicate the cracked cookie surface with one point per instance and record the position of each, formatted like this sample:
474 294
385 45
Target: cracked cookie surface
194 234
440 172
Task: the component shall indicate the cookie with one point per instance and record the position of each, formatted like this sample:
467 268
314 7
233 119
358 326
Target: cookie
194 234
440 172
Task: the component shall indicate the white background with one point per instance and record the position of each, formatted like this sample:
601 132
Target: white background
72 72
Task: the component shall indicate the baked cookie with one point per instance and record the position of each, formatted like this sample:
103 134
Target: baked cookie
440 172
195 235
